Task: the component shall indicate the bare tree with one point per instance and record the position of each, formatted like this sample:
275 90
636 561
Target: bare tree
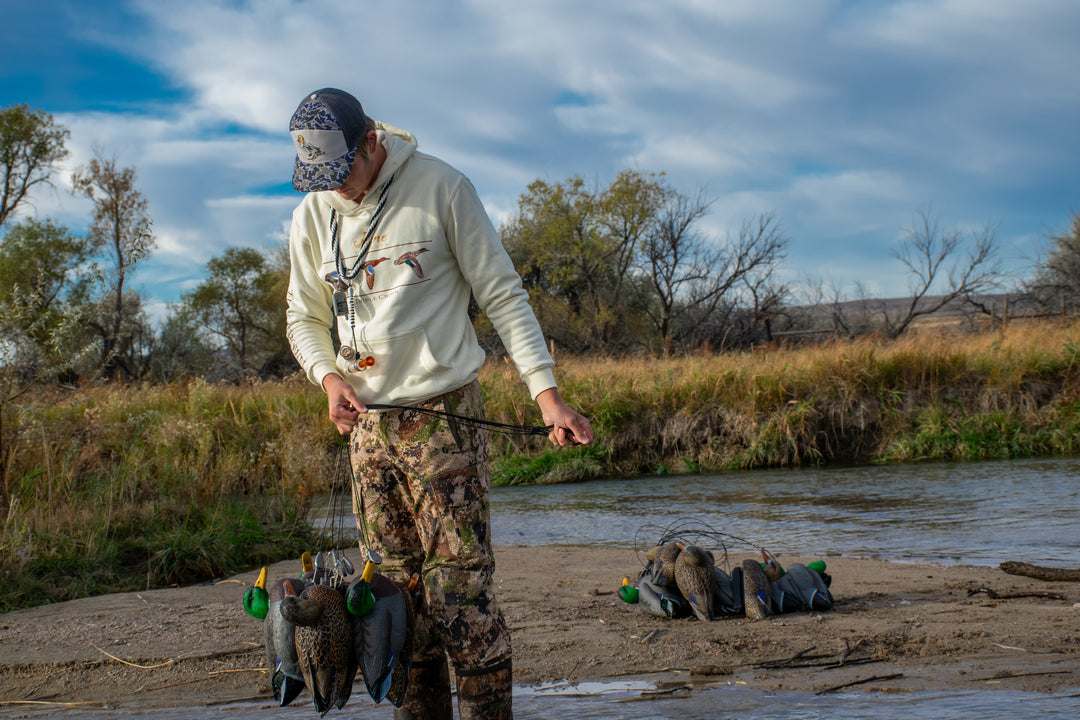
940 271
690 276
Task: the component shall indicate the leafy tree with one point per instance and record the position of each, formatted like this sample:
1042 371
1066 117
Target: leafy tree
31 144
576 247
624 267
40 262
122 230
181 351
241 303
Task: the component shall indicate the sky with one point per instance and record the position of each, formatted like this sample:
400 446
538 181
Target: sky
845 119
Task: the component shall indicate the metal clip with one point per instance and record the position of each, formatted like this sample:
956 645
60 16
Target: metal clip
342 563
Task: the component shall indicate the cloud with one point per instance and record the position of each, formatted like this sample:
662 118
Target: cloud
841 117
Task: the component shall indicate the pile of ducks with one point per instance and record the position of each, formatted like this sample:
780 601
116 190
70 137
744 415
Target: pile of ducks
320 629
681 579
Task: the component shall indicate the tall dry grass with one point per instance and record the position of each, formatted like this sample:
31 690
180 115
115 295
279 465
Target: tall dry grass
119 487
929 395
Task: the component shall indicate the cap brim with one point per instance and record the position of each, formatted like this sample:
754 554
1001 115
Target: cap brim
317 177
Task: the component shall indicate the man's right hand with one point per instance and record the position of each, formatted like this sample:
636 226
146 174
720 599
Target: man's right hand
345 406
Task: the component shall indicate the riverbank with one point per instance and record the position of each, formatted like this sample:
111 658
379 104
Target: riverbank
117 487
914 627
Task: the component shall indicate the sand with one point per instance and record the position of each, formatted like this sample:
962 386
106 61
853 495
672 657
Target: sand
895 627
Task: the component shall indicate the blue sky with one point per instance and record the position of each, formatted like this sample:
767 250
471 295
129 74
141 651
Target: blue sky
844 118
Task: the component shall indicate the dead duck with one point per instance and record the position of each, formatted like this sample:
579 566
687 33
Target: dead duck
286 680
382 635
771 566
279 637
757 600
695 576
323 644
662 561
257 599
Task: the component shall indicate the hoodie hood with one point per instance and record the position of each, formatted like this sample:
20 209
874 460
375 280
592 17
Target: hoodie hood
400 146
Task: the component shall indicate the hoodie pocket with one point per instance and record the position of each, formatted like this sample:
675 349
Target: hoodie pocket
399 363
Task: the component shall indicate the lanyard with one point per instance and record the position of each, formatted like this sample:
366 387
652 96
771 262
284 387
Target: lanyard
347 274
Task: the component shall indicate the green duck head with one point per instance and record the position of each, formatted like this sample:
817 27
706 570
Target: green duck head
257 599
360 600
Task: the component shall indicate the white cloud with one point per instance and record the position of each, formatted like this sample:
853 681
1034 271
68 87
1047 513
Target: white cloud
842 118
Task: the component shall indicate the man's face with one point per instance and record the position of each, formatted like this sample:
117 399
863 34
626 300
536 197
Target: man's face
364 171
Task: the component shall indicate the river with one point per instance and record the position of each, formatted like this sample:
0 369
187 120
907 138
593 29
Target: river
974 513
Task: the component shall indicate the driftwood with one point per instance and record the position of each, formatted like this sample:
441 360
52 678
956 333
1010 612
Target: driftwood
1011 596
1007 674
1040 572
804 659
875 678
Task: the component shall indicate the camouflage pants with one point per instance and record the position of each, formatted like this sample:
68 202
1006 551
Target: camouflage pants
421 499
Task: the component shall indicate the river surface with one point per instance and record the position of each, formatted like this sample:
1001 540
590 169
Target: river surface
973 513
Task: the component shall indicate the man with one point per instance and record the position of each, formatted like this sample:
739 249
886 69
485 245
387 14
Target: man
390 243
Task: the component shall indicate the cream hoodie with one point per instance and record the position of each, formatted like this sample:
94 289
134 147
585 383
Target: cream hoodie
433 246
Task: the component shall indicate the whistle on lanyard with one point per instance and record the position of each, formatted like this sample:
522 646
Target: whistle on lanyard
353 362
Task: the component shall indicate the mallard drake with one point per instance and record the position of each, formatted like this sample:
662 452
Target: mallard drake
382 636
279 637
323 644
757 600
695 576
256 598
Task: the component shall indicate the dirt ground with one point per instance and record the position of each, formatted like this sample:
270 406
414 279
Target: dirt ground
895 627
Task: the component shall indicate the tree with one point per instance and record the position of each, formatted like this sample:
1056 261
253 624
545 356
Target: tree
181 350
40 262
576 250
692 276
1056 283
241 302
122 230
935 265
31 144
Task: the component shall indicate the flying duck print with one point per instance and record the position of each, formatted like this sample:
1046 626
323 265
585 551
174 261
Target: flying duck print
369 271
409 259
336 282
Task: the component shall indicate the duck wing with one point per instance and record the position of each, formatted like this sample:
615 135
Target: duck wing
695 576
380 640
757 599
279 637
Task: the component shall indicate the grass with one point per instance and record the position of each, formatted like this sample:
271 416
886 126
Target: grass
124 487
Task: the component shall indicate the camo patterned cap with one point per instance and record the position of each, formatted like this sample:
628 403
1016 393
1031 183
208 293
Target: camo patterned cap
326 129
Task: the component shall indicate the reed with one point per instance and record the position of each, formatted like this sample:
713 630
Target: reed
125 487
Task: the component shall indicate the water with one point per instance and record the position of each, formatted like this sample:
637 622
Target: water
978 513
974 513
600 701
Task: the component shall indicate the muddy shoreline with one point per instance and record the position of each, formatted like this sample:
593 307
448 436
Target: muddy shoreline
896 627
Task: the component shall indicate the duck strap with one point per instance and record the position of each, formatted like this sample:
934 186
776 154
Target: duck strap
504 428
